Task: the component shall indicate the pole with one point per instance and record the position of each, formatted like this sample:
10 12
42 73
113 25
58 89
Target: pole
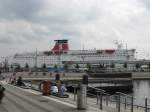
132 104
36 61
101 98
107 100
119 103
74 93
145 104
125 104
97 97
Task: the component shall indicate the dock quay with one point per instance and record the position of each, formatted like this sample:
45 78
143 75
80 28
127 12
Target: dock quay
101 102
123 83
40 75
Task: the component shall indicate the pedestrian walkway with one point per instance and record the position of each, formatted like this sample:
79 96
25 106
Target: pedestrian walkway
26 100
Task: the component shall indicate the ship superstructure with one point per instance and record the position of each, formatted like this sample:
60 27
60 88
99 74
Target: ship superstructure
61 54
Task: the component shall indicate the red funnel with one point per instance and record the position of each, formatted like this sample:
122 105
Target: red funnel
61 46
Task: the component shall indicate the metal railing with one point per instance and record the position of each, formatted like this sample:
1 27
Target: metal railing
123 102
129 103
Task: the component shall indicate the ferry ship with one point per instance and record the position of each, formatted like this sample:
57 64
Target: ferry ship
61 53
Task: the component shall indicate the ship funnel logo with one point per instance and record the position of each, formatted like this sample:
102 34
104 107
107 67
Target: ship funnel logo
61 46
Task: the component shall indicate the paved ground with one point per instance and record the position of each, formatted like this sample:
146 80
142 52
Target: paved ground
19 100
26 100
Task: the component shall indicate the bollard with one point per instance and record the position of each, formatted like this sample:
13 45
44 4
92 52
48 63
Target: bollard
116 99
81 97
101 98
75 92
97 95
145 104
132 104
81 93
107 100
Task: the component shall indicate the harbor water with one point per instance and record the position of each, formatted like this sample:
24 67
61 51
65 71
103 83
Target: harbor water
141 90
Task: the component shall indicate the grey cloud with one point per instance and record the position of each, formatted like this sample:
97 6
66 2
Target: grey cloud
39 22
147 3
10 40
58 19
19 9
20 33
34 11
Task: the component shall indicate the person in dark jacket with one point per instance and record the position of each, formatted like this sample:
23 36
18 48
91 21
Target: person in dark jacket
2 89
20 82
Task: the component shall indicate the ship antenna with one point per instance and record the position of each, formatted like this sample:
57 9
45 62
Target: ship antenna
127 51
36 59
83 57
83 47
119 45
126 46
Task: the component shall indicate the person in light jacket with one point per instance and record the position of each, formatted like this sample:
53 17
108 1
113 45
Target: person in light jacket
54 89
63 89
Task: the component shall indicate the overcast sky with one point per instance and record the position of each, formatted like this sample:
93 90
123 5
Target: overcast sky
29 24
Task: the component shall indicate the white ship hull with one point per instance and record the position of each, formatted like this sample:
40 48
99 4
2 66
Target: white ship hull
57 56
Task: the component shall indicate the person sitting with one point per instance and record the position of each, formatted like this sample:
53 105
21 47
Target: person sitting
41 86
54 89
63 89
20 82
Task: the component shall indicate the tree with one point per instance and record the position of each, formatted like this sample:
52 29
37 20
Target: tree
12 68
125 65
149 66
88 66
6 65
43 66
100 66
112 65
66 67
77 66
26 66
137 66
18 67
55 67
